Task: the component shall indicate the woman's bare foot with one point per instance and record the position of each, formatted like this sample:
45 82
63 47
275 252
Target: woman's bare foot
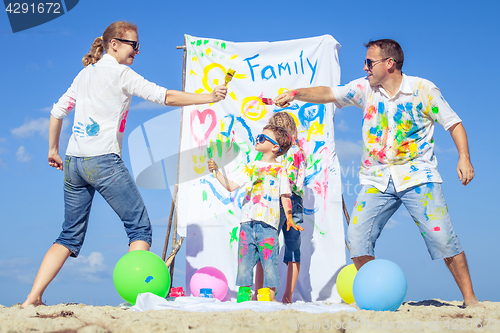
35 301
472 302
286 299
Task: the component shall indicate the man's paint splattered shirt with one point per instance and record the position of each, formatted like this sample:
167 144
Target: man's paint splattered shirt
398 131
264 183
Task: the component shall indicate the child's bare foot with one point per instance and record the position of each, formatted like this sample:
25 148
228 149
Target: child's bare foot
32 301
472 302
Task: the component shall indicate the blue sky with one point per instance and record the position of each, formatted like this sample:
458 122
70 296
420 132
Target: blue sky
454 44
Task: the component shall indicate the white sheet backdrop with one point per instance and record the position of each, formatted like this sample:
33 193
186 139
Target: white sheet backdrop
208 214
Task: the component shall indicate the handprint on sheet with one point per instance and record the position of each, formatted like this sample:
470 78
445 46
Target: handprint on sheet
87 130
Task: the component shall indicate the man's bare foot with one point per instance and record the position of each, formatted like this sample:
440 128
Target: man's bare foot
472 302
286 299
29 301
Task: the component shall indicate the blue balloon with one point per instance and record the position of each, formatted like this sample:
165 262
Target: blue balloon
379 285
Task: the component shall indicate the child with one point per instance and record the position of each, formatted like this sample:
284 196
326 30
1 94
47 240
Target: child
266 183
295 167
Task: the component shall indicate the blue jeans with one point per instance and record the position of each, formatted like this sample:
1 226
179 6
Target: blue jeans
292 236
426 205
108 175
258 241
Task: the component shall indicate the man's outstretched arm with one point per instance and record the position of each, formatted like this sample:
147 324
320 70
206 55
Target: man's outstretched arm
317 95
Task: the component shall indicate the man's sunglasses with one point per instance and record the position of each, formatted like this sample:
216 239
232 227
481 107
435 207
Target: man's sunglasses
262 137
370 63
135 45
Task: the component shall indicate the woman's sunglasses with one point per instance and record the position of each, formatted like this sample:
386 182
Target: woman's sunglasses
135 45
262 137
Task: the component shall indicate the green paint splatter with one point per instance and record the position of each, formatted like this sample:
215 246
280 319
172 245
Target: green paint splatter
234 235
223 46
432 140
198 42
435 109
219 147
206 41
204 195
267 246
259 156
231 212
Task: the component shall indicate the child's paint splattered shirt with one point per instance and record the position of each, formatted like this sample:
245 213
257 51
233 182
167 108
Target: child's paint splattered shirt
264 183
101 94
295 166
397 131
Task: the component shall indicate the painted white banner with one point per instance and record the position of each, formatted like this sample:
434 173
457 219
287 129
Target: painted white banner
208 214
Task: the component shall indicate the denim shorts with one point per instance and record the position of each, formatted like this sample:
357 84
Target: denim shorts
292 236
258 240
426 205
110 177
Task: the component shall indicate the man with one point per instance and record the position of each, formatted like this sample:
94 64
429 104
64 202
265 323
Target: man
398 163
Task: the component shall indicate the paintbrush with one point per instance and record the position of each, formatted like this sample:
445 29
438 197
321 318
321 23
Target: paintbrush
229 76
210 156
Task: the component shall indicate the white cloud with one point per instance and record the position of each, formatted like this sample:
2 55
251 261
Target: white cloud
32 127
19 269
146 105
2 149
22 155
341 126
348 151
89 269
392 223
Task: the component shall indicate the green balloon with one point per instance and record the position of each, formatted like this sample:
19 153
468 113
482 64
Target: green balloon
141 272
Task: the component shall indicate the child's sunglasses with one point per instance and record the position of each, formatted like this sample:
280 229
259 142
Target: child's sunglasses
135 45
262 137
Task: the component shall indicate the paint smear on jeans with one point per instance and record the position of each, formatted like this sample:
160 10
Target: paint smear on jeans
426 198
266 247
243 248
372 190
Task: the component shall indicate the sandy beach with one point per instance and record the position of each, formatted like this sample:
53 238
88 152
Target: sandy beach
422 316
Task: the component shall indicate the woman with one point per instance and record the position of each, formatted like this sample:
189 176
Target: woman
101 95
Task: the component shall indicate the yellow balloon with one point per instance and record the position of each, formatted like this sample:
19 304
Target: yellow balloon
345 279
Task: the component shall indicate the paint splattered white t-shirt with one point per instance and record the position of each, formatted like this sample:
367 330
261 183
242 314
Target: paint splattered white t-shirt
101 95
398 131
264 183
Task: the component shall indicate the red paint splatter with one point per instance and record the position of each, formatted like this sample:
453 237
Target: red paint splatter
243 248
123 122
370 112
256 198
71 105
436 229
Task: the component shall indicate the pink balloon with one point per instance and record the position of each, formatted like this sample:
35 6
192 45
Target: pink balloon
209 277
